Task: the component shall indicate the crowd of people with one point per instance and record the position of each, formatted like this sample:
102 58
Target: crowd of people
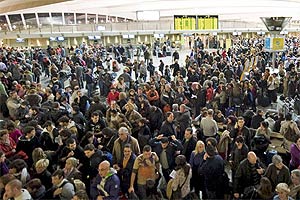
81 125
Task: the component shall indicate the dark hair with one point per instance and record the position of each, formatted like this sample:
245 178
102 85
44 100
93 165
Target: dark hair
76 108
265 188
47 123
18 164
240 139
265 124
89 147
70 141
60 173
96 113
297 136
210 150
64 119
212 140
3 132
82 195
127 145
288 117
147 148
181 163
28 129
34 184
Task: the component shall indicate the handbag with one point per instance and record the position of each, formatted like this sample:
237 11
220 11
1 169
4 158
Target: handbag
176 195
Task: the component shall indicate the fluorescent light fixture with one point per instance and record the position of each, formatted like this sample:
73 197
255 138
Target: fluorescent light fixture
60 38
52 39
261 33
147 15
284 33
20 40
128 36
101 28
156 35
97 37
91 37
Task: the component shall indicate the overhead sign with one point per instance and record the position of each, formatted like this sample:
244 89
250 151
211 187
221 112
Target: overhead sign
278 44
274 44
196 22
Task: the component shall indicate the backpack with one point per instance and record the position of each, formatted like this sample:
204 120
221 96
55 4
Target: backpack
289 133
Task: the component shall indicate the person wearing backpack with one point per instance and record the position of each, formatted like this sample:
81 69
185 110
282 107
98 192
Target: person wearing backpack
289 130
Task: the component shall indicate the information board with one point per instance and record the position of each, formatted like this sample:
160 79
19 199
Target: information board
208 22
182 22
196 22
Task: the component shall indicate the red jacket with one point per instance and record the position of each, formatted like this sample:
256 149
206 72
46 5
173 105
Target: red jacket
112 97
7 148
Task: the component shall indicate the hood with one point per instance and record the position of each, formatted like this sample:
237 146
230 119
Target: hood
24 195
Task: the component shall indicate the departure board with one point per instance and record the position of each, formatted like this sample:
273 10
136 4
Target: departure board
196 22
208 22
184 22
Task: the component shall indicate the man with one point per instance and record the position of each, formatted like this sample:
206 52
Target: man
62 187
28 142
96 124
189 143
13 103
248 174
208 125
183 120
213 170
167 152
13 190
124 138
95 157
145 167
256 119
241 129
106 185
72 150
168 127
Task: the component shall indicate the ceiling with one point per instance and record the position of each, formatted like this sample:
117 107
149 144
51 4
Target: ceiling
243 10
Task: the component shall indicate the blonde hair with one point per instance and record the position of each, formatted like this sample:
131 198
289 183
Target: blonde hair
42 163
74 162
200 142
282 187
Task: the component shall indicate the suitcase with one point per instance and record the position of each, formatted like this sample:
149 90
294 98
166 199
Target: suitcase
263 101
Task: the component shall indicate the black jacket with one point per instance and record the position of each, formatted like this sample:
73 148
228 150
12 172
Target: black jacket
171 150
188 147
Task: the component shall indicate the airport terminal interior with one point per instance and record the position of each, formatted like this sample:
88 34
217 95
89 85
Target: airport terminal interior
152 99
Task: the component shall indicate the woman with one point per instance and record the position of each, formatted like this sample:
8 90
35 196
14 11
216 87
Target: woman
181 180
18 168
295 154
277 172
14 133
42 173
133 117
36 189
295 185
264 190
196 161
282 190
231 121
7 144
3 164
70 170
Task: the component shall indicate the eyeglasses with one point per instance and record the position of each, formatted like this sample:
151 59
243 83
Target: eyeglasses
103 169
